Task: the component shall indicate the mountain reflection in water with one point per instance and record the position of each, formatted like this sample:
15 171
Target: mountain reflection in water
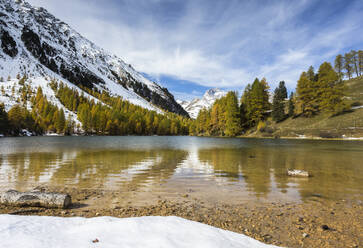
246 168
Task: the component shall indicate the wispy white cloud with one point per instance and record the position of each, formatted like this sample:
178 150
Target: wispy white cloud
217 43
187 96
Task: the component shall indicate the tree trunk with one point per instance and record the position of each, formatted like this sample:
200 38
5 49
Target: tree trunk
35 199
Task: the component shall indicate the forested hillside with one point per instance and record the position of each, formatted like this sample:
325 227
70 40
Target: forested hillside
327 103
98 113
35 43
349 124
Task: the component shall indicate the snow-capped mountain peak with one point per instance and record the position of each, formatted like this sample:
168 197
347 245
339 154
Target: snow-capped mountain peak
35 43
183 103
210 96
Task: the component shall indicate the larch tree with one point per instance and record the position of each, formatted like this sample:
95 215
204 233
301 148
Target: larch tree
60 122
306 92
360 62
16 117
338 64
265 94
216 118
355 62
291 105
348 65
331 90
257 101
69 126
311 74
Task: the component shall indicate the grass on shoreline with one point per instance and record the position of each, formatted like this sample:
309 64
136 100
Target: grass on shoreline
344 126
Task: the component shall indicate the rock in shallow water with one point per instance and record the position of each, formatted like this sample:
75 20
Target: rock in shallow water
297 173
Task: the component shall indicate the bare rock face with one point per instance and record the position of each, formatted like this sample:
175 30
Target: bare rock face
35 43
35 199
8 44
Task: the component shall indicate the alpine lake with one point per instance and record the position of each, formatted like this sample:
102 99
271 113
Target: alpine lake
132 176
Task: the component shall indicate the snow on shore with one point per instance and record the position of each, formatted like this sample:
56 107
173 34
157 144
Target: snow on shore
151 231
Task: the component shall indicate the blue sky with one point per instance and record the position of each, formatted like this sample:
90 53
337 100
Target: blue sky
189 46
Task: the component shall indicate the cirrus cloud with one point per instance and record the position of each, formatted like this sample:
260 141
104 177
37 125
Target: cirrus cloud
217 43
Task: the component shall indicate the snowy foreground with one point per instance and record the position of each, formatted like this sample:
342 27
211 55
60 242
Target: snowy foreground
44 232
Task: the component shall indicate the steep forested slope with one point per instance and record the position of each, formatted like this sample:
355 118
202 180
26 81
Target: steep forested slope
35 43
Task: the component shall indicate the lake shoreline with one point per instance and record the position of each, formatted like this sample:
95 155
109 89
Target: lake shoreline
303 138
240 137
241 185
313 223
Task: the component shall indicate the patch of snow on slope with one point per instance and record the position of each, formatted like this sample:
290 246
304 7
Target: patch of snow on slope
70 47
183 103
9 99
160 232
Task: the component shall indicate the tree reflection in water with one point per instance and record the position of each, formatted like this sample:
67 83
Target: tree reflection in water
256 167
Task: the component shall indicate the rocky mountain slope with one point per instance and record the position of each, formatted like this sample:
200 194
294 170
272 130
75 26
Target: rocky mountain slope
210 96
35 43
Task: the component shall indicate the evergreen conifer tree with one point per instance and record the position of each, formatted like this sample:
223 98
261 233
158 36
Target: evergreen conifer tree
233 122
246 106
243 116
4 123
257 103
278 104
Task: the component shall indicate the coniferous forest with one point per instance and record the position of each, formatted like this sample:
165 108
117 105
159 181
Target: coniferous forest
321 91
317 92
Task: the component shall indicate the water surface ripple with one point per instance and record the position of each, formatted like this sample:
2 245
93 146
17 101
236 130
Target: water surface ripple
232 167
